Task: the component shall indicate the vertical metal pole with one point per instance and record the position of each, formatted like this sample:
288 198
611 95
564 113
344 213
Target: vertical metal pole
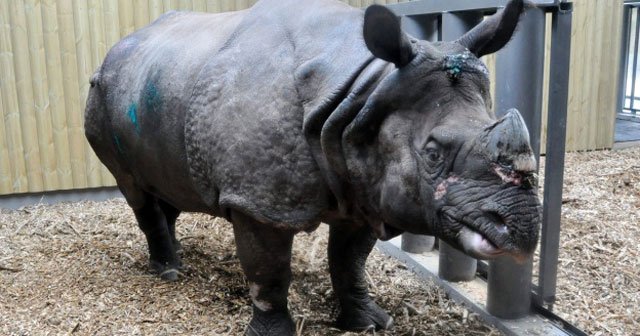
635 62
624 62
424 27
455 265
519 82
554 168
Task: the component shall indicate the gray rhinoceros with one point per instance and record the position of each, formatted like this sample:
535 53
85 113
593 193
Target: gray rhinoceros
293 113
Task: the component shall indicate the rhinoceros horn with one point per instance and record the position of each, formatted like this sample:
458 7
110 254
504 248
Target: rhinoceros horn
493 33
507 142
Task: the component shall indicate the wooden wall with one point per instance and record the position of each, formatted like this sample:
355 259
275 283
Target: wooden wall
593 84
49 49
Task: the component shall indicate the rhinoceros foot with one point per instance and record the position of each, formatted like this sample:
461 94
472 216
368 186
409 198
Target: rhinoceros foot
167 272
274 323
363 316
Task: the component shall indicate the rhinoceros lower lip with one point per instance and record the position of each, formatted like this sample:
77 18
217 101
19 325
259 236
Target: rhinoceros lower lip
477 245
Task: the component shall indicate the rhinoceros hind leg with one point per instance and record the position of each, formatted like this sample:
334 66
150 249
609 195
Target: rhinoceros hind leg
163 259
265 255
349 248
171 214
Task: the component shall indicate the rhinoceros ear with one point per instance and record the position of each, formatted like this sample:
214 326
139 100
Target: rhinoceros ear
495 32
384 37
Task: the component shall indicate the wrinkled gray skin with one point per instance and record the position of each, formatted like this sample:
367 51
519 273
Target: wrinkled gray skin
294 113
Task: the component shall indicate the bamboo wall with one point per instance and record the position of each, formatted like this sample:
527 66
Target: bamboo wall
49 49
593 84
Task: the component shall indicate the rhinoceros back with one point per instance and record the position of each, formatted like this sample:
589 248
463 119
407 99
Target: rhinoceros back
136 107
211 107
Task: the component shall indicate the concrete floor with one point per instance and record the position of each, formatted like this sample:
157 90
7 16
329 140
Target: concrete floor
627 129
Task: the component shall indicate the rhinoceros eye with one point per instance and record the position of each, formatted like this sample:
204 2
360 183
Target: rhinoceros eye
432 152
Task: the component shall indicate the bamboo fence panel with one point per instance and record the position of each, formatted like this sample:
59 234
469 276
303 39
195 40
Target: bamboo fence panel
5 167
19 42
55 94
141 13
593 83
44 135
71 89
127 22
10 109
156 8
49 49
610 51
200 5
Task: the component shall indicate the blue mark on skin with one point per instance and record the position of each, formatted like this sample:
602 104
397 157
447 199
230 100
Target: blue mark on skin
118 144
151 97
456 64
132 112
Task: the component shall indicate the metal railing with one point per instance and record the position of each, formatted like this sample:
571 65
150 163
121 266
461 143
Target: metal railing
519 84
629 100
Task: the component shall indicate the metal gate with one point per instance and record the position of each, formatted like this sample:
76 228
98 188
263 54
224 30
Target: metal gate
513 303
630 65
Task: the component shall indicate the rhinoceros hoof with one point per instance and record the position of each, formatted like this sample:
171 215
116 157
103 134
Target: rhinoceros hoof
167 272
177 246
364 317
270 324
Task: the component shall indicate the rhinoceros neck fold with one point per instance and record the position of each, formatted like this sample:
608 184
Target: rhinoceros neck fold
324 127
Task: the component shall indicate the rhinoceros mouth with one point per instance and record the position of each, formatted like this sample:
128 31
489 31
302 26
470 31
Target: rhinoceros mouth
474 242
478 245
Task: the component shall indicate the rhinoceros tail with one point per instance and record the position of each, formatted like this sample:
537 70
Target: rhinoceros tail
95 78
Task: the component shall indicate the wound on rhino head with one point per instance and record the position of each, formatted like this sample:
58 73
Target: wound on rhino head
456 65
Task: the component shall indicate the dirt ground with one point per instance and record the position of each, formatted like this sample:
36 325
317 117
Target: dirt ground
80 268
599 262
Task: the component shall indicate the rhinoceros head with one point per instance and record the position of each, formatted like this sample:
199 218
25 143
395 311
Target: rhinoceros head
426 154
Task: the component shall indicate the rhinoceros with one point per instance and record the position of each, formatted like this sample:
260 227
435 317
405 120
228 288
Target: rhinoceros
293 113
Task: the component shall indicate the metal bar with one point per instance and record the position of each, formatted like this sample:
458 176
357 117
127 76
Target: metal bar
16 201
424 27
455 265
635 59
555 150
414 243
471 295
624 63
519 83
443 6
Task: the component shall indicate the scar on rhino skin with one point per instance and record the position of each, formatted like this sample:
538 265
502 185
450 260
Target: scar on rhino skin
507 175
441 189
132 113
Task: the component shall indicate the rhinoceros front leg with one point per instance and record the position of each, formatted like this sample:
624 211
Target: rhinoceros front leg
265 255
162 253
349 247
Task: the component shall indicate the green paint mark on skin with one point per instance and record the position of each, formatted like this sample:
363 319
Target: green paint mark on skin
118 144
151 97
456 65
132 112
